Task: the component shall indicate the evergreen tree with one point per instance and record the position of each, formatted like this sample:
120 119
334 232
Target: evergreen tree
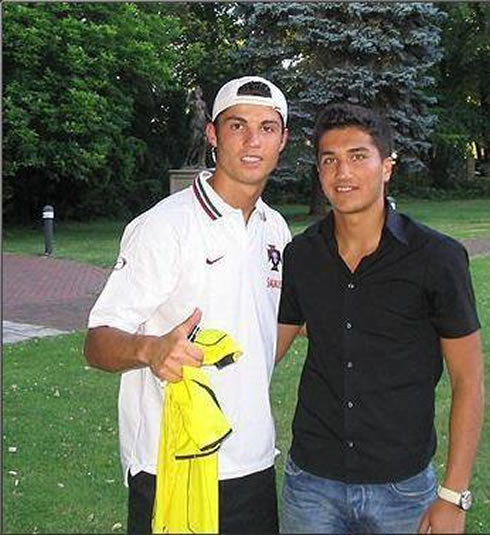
379 55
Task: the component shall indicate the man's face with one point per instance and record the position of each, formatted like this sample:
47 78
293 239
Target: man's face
248 139
352 173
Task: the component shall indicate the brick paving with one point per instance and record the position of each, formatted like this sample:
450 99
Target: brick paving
47 291
58 294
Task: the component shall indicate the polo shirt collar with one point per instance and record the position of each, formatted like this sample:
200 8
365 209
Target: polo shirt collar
212 204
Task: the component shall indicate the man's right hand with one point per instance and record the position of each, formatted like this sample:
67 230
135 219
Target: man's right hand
168 353
114 350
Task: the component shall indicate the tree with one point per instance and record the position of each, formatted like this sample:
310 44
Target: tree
375 54
463 87
95 100
74 74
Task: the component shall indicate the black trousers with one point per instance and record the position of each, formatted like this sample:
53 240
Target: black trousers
246 504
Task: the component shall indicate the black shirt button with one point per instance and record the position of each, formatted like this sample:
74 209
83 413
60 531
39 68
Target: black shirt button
351 286
348 325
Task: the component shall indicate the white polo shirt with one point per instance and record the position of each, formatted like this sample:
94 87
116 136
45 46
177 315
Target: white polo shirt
194 250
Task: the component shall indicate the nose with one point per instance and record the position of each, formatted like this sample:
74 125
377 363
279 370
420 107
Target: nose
342 170
252 138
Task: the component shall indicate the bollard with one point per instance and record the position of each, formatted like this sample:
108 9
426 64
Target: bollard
48 219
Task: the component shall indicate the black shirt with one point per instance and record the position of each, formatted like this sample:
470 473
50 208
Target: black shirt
365 410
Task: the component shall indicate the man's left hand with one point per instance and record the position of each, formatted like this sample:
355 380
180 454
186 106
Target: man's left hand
442 517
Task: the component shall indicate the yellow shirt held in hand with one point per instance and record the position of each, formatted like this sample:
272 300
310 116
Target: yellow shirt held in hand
192 430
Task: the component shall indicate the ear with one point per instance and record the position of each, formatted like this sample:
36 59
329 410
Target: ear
212 135
387 169
284 139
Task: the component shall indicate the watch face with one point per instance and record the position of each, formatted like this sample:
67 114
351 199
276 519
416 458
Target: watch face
466 500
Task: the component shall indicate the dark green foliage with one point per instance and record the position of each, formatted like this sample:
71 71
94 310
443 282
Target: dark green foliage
95 106
95 109
463 93
75 76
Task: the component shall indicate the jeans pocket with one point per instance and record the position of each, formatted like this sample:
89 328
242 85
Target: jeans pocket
419 485
291 468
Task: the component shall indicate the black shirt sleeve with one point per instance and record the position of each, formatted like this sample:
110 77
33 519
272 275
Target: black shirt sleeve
452 300
289 308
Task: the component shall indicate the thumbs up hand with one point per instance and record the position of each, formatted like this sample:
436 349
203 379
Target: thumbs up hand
173 350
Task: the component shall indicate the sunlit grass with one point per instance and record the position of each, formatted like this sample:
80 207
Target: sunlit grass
61 471
97 242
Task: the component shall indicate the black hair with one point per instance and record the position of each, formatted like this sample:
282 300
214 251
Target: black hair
256 88
344 115
253 88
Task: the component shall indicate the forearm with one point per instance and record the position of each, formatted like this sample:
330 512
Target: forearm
114 350
285 336
465 425
465 367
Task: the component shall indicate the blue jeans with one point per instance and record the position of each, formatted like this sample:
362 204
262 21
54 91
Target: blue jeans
313 504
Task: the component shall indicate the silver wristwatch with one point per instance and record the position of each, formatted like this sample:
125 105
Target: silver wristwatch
462 499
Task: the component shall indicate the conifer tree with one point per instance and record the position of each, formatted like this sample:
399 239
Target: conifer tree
379 55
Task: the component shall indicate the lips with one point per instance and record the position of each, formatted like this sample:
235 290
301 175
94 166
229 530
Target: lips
251 159
344 189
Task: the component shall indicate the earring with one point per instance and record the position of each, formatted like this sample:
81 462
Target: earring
213 153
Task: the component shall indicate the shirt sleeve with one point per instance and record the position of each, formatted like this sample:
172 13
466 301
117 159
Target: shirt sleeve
143 277
451 296
289 308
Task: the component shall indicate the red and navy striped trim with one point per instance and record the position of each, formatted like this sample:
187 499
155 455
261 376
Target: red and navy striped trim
204 201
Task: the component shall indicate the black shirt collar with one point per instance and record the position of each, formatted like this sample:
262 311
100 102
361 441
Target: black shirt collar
393 224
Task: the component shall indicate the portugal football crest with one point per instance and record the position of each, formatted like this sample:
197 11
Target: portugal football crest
274 257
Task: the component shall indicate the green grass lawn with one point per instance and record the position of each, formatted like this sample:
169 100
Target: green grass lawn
61 471
97 242
94 243
461 219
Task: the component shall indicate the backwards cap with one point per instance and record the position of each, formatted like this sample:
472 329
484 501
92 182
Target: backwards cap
232 93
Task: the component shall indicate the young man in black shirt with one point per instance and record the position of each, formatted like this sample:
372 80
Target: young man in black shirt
384 300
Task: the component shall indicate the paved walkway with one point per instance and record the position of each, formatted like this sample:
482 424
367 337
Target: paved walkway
45 296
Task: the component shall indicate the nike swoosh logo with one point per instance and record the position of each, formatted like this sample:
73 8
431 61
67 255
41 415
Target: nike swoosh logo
208 261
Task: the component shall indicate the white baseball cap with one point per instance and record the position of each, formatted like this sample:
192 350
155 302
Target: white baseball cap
229 95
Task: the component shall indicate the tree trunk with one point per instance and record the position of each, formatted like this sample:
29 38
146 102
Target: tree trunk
318 201
470 168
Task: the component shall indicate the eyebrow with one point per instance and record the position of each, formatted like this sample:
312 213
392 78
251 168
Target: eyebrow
242 120
352 150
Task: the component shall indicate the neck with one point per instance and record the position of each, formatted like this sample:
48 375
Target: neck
358 235
237 194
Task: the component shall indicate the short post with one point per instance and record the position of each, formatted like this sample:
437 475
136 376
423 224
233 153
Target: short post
48 219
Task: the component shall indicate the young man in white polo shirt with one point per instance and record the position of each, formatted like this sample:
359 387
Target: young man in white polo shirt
210 254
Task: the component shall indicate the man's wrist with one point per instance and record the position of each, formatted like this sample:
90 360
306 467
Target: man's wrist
144 348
